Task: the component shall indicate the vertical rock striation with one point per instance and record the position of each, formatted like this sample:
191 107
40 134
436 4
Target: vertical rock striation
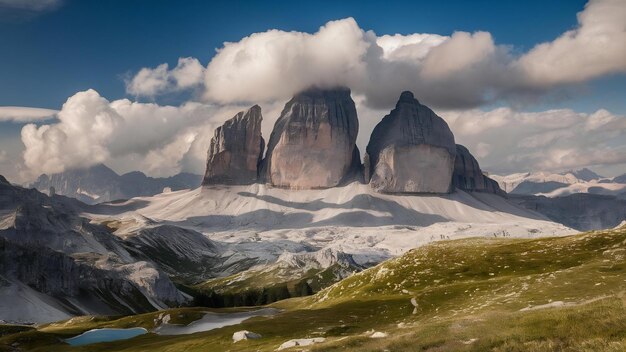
468 176
313 141
236 150
411 150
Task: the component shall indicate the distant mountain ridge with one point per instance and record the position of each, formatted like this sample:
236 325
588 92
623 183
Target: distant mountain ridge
584 174
99 183
542 183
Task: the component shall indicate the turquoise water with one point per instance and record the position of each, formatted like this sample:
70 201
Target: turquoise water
105 335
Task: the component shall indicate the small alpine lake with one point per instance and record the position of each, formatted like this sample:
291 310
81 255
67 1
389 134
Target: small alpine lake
105 335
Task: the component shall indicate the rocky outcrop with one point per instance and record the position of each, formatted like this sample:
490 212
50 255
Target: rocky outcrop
57 263
236 150
492 186
411 150
469 177
467 173
313 142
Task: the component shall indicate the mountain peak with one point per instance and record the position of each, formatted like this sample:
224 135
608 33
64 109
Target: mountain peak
406 96
584 174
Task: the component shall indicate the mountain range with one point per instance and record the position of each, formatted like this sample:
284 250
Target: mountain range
265 225
99 183
561 184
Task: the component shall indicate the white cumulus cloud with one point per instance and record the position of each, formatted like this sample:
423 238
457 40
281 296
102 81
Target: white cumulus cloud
596 47
91 130
148 82
457 71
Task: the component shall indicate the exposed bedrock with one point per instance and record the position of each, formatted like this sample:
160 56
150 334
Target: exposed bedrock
236 150
312 144
411 150
469 177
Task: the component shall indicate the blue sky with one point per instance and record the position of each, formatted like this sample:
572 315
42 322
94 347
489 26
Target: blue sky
481 64
93 44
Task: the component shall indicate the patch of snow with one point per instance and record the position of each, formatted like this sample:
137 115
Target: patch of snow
587 187
85 193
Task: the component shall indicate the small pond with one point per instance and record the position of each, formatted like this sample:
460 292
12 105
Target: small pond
208 322
105 335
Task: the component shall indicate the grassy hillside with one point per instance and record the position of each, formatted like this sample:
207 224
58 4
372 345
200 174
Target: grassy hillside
267 285
564 294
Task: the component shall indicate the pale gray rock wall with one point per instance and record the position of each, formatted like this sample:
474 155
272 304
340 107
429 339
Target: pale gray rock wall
313 142
411 150
236 150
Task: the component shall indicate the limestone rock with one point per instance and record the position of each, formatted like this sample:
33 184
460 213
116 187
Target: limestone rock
468 176
313 142
491 186
236 150
411 150
378 335
300 342
245 335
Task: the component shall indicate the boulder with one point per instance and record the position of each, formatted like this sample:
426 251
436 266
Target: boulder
300 342
468 176
313 141
411 150
236 150
245 335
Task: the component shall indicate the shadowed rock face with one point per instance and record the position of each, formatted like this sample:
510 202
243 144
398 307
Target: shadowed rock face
313 142
467 173
236 150
468 176
411 150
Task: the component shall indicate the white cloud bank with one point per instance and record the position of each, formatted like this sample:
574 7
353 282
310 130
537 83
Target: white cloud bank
461 70
506 141
92 130
19 114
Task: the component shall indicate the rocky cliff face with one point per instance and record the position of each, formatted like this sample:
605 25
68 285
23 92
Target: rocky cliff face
313 142
467 173
236 150
468 176
411 150
56 263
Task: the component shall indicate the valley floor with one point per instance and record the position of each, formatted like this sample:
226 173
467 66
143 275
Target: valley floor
477 294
